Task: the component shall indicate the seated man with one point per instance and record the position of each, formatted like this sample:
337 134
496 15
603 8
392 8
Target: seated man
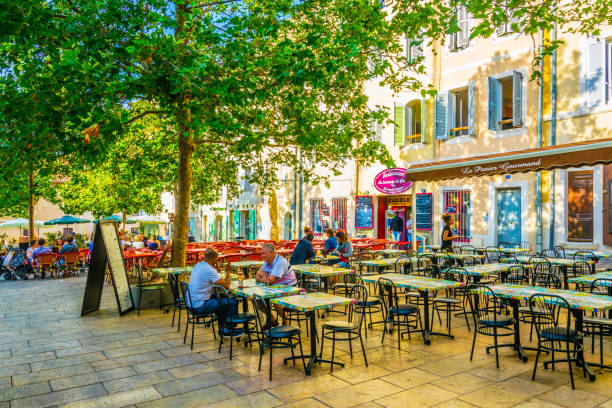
275 271
69 246
203 278
41 249
303 250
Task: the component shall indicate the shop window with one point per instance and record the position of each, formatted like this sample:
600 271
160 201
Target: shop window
339 213
413 122
458 204
506 102
580 206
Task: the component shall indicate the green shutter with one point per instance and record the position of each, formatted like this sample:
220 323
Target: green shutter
517 100
423 119
237 223
492 103
441 116
471 108
398 119
253 222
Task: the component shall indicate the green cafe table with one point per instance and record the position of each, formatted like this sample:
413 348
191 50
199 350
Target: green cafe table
587 280
173 271
579 303
245 265
382 263
309 303
597 254
426 287
324 272
390 252
479 271
459 258
266 291
563 263
324 258
507 251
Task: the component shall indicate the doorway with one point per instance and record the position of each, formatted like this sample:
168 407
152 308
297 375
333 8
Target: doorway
607 204
287 226
509 216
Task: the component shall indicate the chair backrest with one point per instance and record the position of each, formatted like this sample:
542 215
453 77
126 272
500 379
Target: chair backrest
560 251
350 278
385 285
548 308
546 280
549 253
581 268
468 249
223 299
508 259
602 286
360 294
187 296
470 261
516 274
173 281
312 283
70 258
492 254
456 275
584 255
45 259
485 306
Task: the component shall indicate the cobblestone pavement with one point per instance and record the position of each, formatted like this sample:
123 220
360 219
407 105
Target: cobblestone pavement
50 356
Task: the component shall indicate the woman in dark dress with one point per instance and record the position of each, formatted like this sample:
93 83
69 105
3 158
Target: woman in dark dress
447 234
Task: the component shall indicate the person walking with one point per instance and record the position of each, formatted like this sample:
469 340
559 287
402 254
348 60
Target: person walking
396 227
447 234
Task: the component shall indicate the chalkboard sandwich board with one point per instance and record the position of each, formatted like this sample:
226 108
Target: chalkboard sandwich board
107 251
364 212
424 210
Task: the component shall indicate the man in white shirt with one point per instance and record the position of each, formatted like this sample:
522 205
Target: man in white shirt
203 278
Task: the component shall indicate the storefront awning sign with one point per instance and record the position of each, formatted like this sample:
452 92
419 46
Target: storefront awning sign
392 181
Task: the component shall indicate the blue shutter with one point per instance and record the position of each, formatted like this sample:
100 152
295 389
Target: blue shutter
441 113
398 128
492 103
471 108
423 119
517 99
595 85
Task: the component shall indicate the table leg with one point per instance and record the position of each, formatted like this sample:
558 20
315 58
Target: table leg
427 328
564 271
517 332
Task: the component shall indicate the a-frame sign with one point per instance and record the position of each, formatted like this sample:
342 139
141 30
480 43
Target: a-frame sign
107 250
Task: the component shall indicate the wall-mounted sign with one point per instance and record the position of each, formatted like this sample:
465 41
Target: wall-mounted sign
392 181
364 212
424 211
399 201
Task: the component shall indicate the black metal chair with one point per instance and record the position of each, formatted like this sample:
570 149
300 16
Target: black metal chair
230 320
310 284
393 311
348 281
598 324
550 332
560 251
455 299
369 305
346 330
549 253
580 268
468 249
178 301
470 260
206 319
546 280
511 259
276 337
516 274
456 250
585 256
492 254
488 321
148 287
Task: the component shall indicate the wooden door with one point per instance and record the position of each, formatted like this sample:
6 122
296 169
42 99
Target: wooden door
580 206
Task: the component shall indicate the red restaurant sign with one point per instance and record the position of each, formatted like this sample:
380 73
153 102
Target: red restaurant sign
392 181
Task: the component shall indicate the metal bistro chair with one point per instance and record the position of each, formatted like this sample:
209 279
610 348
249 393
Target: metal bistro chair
148 287
310 284
346 330
598 324
369 305
549 253
206 319
492 254
533 314
455 299
560 250
348 281
230 321
516 275
468 249
178 301
275 337
394 311
488 321
551 333
585 256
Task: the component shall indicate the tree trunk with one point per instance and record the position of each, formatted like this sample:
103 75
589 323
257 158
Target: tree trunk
31 207
183 197
123 222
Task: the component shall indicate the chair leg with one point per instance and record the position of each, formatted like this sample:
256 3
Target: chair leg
186 328
350 346
569 362
535 366
231 345
271 347
363 350
192 332
291 345
301 351
178 326
173 315
322 340
139 299
261 349
473 344
496 348
331 366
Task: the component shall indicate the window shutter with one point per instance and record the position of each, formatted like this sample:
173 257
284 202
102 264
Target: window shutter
595 82
441 112
463 36
398 119
517 99
423 119
492 103
471 108
408 127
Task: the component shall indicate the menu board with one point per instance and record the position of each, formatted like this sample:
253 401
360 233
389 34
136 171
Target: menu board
107 252
364 212
424 210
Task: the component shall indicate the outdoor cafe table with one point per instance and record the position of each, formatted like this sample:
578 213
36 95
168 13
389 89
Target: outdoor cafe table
597 254
459 257
579 303
309 303
245 265
382 263
424 286
587 280
478 271
561 262
390 252
322 271
507 251
324 258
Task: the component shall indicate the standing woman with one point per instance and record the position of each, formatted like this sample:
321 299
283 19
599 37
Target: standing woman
344 249
447 234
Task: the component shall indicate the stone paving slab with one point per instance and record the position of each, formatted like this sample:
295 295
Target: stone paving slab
50 356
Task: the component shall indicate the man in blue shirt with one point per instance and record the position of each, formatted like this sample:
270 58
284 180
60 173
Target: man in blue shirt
303 250
275 271
331 243
203 278
68 246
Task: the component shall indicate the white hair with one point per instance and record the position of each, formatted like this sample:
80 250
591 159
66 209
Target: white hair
270 247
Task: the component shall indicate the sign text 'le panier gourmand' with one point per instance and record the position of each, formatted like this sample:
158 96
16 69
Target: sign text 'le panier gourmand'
506 167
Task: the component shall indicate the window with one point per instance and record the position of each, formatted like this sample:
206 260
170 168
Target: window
506 27
580 206
339 213
409 123
376 129
457 203
598 71
317 222
414 49
454 113
506 102
461 39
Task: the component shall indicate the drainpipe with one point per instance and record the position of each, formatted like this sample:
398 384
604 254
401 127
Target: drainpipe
295 178
539 177
301 197
553 136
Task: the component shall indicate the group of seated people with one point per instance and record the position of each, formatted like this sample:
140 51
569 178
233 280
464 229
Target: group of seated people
336 244
39 247
141 241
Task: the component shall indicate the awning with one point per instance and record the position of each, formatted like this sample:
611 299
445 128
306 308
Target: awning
521 161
